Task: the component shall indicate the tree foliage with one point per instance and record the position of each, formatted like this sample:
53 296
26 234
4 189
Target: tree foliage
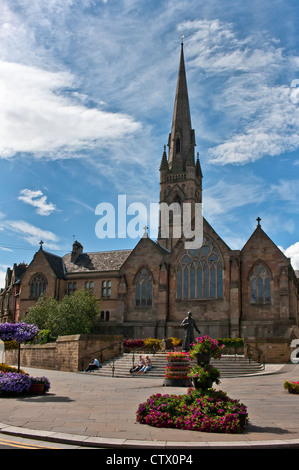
74 314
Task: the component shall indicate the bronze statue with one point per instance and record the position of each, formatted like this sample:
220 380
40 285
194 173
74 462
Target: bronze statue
189 325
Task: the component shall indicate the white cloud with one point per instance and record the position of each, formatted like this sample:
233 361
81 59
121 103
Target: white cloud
35 117
2 278
258 116
32 234
223 197
293 253
38 200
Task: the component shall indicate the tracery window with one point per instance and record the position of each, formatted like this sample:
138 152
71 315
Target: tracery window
200 273
38 285
144 288
260 288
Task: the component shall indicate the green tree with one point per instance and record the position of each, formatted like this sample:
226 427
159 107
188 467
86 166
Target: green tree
74 314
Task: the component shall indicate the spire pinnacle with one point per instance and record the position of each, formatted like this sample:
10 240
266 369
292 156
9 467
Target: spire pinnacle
181 139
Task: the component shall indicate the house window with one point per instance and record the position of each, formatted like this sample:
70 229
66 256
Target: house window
89 285
38 286
260 289
144 288
106 289
71 288
105 315
200 273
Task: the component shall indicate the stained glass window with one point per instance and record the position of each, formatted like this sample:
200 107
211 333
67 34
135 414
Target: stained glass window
144 288
38 286
260 285
200 273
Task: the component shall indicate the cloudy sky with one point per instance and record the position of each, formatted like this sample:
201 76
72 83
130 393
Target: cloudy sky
87 91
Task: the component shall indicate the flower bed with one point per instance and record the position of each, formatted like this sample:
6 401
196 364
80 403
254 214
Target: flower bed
292 387
133 343
16 383
212 412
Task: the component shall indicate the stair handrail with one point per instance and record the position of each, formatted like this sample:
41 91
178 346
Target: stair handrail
100 351
260 354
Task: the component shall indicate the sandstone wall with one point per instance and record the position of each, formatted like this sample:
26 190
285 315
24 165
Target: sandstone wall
68 353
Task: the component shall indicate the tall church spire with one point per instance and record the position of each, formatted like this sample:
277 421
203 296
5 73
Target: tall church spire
180 177
181 139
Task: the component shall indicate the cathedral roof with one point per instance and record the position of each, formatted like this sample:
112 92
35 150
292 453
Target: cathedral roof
97 261
56 263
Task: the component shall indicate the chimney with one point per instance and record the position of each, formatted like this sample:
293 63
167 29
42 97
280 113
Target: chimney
77 250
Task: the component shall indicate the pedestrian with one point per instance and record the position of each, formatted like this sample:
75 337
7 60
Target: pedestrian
93 365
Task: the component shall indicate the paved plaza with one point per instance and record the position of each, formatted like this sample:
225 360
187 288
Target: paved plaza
88 409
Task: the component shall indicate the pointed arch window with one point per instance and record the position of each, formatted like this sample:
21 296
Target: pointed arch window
200 273
260 285
144 288
38 286
178 145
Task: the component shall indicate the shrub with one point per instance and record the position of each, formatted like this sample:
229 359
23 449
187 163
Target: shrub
18 383
7 368
41 380
133 343
152 342
14 383
176 341
204 373
292 387
205 344
9 345
20 332
231 342
212 412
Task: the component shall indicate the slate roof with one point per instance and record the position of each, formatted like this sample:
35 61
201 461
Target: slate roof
56 263
98 261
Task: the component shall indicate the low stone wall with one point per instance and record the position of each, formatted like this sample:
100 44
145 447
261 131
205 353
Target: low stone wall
68 353
268 350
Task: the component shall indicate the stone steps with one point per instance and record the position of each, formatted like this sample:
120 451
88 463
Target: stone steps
229 366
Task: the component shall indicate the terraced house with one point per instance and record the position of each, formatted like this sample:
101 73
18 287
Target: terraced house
147 291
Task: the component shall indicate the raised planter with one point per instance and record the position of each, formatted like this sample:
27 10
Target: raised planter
36 389
292 387
176 371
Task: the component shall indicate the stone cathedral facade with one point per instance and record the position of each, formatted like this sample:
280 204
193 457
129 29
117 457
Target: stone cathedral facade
147 291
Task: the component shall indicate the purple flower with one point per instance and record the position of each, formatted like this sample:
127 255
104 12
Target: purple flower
20 332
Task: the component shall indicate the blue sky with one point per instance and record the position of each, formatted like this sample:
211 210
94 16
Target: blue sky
87 92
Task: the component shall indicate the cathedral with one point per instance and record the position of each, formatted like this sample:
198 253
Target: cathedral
147 291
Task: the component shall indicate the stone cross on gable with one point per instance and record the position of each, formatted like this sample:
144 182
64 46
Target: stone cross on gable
41 244
258 221
145 228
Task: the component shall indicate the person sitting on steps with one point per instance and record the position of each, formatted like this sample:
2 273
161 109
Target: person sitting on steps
147 366
138 366
93 365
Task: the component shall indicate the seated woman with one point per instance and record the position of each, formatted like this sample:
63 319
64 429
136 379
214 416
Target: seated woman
138 366
147 366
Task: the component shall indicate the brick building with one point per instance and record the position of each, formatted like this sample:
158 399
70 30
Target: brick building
147 291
